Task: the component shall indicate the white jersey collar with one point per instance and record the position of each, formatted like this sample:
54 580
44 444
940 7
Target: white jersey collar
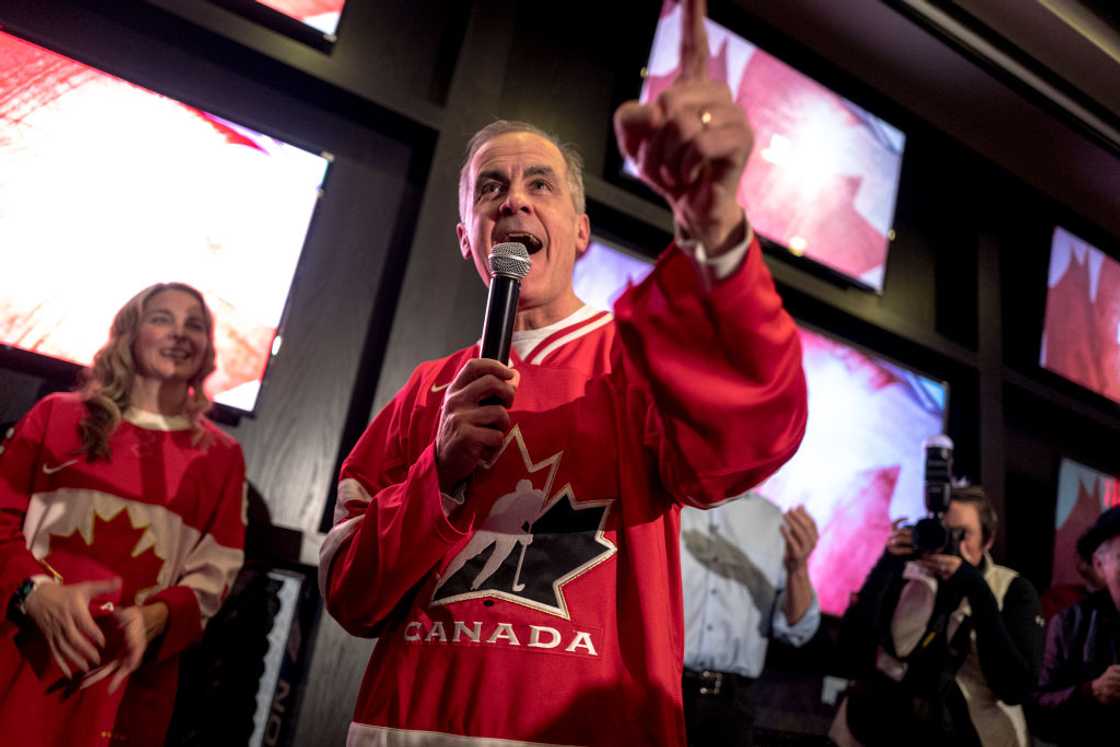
155 421
526 341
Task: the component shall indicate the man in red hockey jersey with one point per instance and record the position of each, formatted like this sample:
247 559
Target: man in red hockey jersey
568 629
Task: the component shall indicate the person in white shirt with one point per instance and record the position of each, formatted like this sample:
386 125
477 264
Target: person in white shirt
746 580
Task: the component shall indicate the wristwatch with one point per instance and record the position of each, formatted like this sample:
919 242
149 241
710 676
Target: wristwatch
17 605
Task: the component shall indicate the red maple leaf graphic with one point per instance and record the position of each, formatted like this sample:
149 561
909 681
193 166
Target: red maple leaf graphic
717 70
1080 518
1107 327
304 8
1082 334
782 103
1071 346
854 537
108 554
863 369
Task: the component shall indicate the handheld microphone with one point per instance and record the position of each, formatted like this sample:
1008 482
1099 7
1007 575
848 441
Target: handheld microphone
509 264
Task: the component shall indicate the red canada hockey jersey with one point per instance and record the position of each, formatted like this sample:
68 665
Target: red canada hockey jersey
551 614
165 514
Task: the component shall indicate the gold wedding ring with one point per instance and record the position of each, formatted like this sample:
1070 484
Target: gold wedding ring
705 118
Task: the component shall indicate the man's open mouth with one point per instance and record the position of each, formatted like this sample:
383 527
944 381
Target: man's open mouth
532 243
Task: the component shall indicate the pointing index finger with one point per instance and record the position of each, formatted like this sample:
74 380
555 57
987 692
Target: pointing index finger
694 40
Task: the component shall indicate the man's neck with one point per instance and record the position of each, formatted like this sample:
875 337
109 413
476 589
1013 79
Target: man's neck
536 317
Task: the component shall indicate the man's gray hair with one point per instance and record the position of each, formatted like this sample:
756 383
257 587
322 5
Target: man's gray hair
573 161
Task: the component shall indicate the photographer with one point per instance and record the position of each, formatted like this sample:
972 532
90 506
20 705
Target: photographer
943 643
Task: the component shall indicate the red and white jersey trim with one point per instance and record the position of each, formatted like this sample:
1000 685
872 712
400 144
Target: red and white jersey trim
352 501
534 345
366 735
542 351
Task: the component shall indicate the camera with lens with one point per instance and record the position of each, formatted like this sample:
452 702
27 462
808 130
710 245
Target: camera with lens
931 535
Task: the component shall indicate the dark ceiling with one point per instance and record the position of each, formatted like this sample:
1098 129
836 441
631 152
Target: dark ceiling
1033 85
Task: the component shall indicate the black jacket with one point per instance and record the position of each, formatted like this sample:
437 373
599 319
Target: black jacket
927 707
1081 643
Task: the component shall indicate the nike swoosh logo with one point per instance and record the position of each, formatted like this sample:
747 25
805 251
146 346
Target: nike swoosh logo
51 470
440 387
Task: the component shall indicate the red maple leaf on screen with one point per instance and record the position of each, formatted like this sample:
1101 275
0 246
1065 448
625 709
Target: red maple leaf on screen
1071 345
1107 327
854 537
780 102
863 369
32 78
111 551
1080 518
304 8
717 70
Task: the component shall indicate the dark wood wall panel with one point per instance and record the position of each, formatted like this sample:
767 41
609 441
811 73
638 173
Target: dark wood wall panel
442 297
18 392
292 445
398 53
334 678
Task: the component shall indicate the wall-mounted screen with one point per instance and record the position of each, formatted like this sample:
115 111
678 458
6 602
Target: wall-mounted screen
318 14
1083 493
860 465
1081 334
602 273
106 188
823 178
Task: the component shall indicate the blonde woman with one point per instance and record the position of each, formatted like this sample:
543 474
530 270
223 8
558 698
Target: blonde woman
121 530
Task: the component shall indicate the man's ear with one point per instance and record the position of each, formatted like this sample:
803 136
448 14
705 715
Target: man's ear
583 234
464 241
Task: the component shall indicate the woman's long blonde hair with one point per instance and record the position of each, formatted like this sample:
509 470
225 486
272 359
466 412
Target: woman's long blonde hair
107 383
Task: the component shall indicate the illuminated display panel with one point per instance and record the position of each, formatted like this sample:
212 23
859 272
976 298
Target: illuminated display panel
106 188
861 463
318 14
1081 335
602 273
1083 493
823 178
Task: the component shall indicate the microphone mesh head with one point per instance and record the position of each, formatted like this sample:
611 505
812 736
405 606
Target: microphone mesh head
510 259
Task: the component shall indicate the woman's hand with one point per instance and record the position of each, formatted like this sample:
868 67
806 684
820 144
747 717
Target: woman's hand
901 541
139 626
941 566
61 613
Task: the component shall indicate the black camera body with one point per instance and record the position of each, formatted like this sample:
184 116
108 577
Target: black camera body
931 535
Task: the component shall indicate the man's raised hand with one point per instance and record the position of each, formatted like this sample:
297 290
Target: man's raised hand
691 143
